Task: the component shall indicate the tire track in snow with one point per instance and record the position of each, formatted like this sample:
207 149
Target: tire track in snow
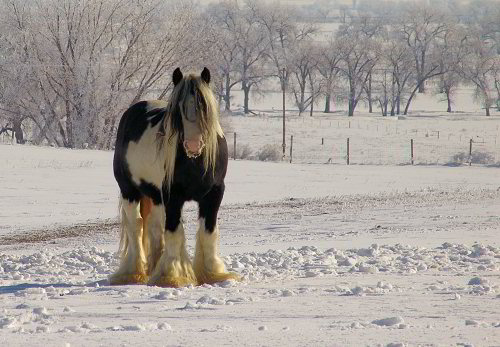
323 217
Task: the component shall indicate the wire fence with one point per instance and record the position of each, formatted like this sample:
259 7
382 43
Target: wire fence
361 141
371 151
370 144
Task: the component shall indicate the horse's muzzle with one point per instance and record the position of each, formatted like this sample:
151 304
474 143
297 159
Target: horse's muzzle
193 148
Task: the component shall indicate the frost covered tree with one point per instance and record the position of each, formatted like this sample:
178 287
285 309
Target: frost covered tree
16 71
243 47
420 26
382 88
87 61
330 57
228 48
390 77
371 28
304 84
399 60
484 15
497 81
452 51
283 35
359 56
484 18
479 67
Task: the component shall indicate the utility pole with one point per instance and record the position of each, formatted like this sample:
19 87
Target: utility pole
283 88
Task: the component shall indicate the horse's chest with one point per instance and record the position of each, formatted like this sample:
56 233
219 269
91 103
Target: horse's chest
191 181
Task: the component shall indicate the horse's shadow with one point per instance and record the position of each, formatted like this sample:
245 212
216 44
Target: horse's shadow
13 289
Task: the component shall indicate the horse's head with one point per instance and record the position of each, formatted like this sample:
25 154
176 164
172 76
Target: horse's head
193 102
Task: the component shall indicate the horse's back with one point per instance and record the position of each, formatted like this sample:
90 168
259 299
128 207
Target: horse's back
135 157
137 118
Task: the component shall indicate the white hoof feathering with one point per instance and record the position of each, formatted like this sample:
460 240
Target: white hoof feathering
133 260
174 268
208 266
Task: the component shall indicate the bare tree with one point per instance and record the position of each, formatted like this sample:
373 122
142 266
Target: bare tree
254 47
243 45
226 19
369 27
15 69
497 81
282 34
485 16
420 26
330 57
382 88
85 62
400 63
303 64
359 55
479 66
452 52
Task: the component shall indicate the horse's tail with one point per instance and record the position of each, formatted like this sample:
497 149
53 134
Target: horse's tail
123 233
146 204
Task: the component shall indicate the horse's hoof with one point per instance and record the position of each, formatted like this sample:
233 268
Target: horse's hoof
138 278
172 282
216 277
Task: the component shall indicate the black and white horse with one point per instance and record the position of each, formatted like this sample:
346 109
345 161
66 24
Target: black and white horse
167 153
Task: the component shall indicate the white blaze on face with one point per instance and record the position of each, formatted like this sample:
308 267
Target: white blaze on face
193 139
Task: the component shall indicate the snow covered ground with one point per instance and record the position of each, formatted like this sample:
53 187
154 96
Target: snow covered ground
332 255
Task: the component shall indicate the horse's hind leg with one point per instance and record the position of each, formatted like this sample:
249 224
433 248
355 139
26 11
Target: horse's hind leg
208 266
145 205
133 261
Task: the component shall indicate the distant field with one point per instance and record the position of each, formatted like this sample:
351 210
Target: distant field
439 137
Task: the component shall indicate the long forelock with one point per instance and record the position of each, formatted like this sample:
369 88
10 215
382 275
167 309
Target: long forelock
209 123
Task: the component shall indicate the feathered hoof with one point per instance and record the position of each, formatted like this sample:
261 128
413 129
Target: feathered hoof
172 282
216 277
123 279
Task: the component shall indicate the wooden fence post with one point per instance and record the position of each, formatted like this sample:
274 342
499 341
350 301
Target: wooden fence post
347 151
322 141
234 146
412 152
470 152
291 148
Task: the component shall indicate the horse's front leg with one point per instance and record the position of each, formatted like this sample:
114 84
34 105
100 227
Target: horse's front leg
208 266
174 268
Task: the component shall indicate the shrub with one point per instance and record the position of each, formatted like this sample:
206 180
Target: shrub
270 153
242 152
477 157
245 153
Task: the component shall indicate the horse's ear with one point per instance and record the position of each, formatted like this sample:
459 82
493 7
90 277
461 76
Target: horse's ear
205 75
177 76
